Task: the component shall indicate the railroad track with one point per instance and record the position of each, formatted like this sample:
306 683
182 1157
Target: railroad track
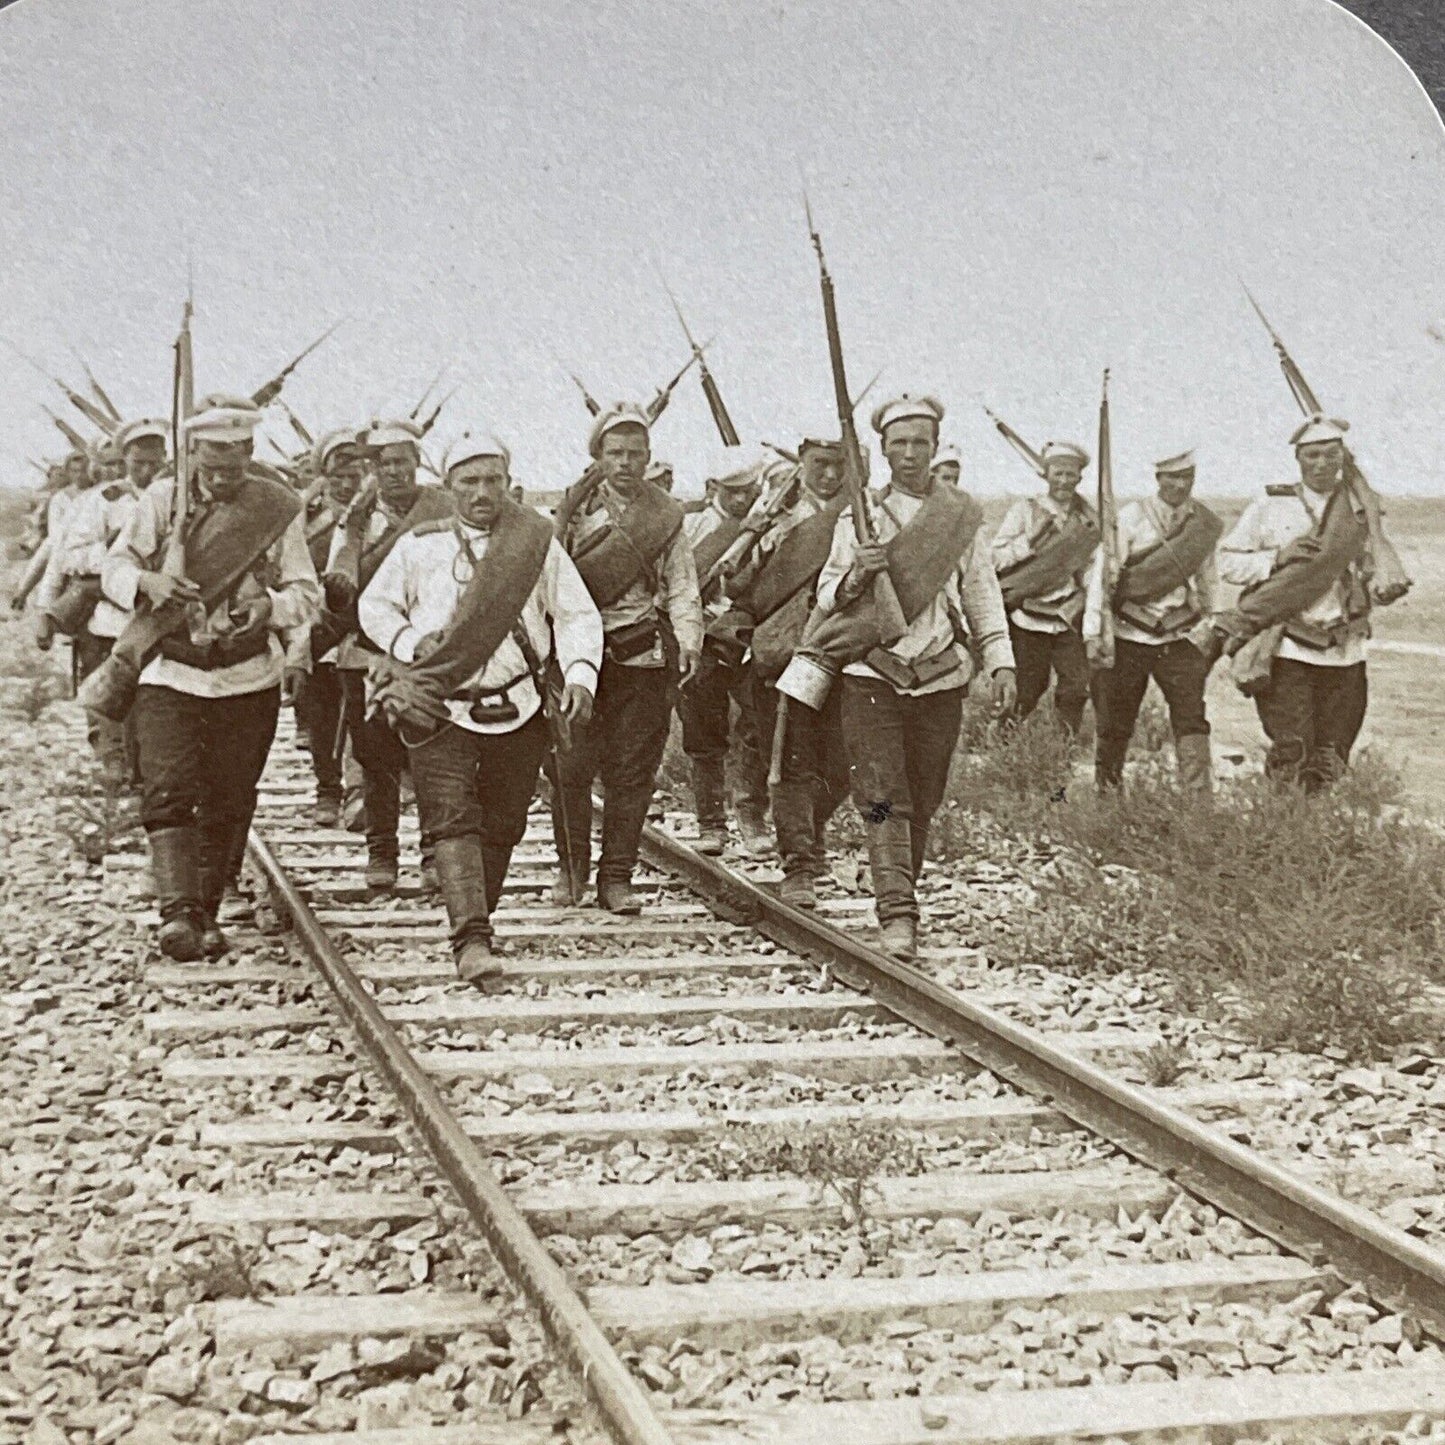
761 1184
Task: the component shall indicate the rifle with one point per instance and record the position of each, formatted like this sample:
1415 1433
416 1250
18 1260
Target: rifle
663 395
33 573
96 387
67 431
268 393
1108 530
431 386
1016 442
1390 581
431 421
302 434
891 622
761 514
83 405
721 420
183 403
594 407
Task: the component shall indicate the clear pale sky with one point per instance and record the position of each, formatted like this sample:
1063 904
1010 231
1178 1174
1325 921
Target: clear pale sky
1013 196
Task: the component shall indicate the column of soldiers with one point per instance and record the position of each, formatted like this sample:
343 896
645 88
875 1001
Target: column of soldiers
450 632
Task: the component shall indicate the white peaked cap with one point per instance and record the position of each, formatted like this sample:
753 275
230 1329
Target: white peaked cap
1050 451
1180 462
392 434
473 445
1320 429
620 413
905 407
219 418
133 431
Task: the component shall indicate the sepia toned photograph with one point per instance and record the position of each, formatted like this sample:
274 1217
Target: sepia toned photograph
722 723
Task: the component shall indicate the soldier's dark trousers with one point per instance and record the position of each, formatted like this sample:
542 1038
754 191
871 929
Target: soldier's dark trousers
1312 716
318 710
622 744
382 756
113 743
1180 670
479 785
1038 656
813 776
200 759
899 751
705 707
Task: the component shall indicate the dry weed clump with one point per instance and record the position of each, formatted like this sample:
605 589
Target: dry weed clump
844 1162
1311 920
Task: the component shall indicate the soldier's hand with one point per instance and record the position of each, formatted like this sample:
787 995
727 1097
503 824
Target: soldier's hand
44 633
1096 652
293 680
160 587
869 560
426 645
1003 691
252 617
576 703
688 664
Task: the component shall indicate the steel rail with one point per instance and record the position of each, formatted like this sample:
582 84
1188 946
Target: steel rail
1319 1226
624 1407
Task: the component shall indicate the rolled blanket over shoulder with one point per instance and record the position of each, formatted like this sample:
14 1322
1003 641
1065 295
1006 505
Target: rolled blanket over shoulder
615 556
1301 581
1173 560
223 546
414 695
1057 561
921 557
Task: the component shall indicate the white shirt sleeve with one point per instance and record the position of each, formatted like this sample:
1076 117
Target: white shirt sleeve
384 609
1244 556
576 622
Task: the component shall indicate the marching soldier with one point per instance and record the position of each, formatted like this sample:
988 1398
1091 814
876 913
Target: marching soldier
470 609
1301 554
723 677
774 591
375 521
901 734
43 575
626 537
340 458
1168 583
948 465
1042 553
81 609
206 707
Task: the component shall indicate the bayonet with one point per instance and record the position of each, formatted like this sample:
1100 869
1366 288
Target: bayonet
658 404
431 421
720 417
425 397
96 388
67 431
302 434
1028 453
594 407
272 389
87 408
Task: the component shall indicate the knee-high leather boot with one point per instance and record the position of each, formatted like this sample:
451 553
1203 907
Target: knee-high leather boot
890 858
175 864
461 870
